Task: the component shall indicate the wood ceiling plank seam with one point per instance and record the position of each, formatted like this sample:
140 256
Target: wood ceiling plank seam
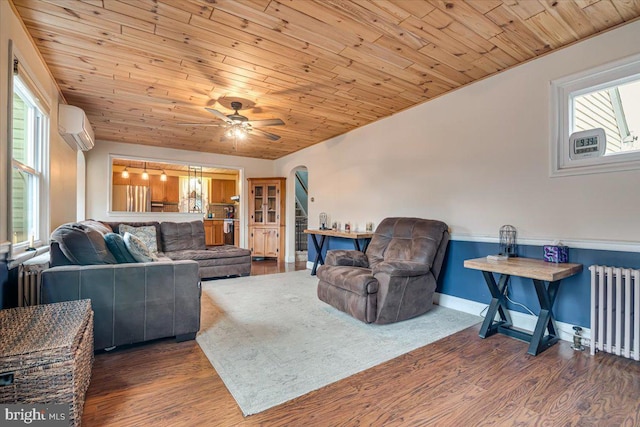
195 7
468 17
132 11
415 8
386 24
432 26
169 47
264 44
390 10
548 28
433 36
298 31
377 64
603 15
245 52
56 12
276 69
382 53
453 61
524 9
516 29
571 15
628 9
161 8
94 63
484 6
32 17
86 46
336 18
506 43
232 21
294 21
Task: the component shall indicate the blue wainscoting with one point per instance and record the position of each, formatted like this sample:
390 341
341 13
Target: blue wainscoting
574 296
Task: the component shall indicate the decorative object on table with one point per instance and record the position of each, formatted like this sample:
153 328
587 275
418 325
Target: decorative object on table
323 221
577 339
347 227
369 227
508 245
556 252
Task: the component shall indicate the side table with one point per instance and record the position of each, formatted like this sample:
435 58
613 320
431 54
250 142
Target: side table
546 278
355 236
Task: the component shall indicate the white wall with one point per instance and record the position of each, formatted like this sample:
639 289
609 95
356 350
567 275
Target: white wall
62 184
477 158
98 168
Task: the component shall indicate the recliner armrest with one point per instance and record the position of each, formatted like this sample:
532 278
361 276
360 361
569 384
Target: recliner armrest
351 258
401 268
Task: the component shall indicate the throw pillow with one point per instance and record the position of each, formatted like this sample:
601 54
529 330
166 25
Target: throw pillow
116 246
138 249
147 234
82 245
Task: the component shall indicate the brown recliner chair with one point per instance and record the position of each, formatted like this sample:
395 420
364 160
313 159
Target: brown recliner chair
395 279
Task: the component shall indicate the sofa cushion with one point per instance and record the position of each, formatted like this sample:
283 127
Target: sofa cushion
179 236
117 247
216 252
137 248
82 245
357 280
147 234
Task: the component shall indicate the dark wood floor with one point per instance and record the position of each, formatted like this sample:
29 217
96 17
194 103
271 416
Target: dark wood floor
461 380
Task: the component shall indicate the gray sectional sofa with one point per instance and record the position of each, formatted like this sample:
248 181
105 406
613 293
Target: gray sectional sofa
137 301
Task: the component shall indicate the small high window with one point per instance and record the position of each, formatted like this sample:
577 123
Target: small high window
605 100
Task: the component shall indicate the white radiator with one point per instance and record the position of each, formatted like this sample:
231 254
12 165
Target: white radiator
28 286
615 311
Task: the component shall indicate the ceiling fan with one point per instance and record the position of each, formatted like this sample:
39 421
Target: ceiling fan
238 126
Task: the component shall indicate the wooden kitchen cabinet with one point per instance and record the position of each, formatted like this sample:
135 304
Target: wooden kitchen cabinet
213 233
267 217
172 189
157 188
221 190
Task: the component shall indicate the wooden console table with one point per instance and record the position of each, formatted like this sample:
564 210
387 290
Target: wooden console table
356 236
546 278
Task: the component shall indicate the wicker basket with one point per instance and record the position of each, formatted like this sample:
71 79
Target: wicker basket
46 354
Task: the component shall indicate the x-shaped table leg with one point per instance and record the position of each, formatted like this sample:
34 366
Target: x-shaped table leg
319 259
498 305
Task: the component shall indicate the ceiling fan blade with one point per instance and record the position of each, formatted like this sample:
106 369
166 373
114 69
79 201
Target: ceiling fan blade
267 122
271 136
218 114
203 124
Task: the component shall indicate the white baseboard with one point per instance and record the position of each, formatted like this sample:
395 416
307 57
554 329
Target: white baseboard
520 320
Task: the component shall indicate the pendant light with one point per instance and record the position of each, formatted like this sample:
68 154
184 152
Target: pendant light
125 173
145 174
163 176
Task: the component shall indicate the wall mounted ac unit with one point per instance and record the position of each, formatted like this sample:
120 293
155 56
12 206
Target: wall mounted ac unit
74 127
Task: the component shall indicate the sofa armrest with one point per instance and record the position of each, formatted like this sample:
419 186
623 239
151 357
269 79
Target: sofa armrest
346 258
131 302
401 268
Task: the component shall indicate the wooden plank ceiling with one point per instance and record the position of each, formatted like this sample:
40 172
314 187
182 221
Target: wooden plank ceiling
140 67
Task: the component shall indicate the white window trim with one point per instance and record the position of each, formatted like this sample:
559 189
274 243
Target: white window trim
42 160
581 83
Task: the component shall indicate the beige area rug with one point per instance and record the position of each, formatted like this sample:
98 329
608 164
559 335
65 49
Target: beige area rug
272 340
